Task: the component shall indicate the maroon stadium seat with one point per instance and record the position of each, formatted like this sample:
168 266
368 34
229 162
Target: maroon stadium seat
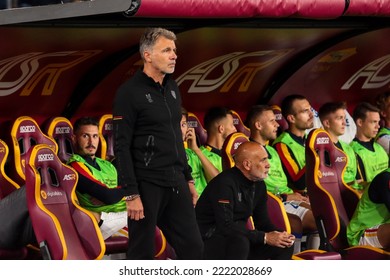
332 201
63 229
230 145
119 244
201 133
239 124
7 185
61 130
283 124
25 133
106 147
164 251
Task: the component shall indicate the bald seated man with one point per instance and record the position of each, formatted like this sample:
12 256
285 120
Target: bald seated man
229 200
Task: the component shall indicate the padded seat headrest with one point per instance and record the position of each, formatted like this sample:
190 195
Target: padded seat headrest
229 148
239 124
61 130
194 122
106 135
26 133
283 124
332 160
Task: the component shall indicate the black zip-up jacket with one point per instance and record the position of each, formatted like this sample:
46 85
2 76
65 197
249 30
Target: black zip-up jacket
148 141
228 201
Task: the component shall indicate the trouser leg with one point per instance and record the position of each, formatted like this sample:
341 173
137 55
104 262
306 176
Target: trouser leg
219 247
142 232
178 223
267 252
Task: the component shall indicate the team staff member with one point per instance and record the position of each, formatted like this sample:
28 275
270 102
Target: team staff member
150 157
227 203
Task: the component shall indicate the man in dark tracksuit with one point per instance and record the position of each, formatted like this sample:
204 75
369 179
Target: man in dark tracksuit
150 157
229 200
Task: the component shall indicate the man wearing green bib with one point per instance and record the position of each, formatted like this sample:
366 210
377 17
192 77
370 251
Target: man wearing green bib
333 119
372 158
290 145
202 170
263 126
219 124
370 224
383 136
97 188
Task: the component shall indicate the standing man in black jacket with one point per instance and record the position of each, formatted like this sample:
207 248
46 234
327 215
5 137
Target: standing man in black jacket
150 157
229 200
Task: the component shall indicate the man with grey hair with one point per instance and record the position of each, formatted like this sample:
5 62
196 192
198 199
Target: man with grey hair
150 157
229 200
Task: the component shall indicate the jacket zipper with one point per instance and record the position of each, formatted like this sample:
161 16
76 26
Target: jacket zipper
172 128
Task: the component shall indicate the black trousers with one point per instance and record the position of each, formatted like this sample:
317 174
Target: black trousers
238 247
172 211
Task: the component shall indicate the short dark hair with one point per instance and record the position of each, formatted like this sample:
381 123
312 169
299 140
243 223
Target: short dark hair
254 112
381 100
184 112
213 115
362 109
286 105
330 107
84 121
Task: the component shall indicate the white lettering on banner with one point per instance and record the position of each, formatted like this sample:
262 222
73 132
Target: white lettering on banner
27 128
371 74
62 130
278 117
45 157
69 177
108 126
31 70
327 174
230 70
322 140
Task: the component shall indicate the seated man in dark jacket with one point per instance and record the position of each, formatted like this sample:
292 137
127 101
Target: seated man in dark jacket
229 200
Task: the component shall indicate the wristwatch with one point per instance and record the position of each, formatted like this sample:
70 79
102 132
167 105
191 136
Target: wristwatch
130 197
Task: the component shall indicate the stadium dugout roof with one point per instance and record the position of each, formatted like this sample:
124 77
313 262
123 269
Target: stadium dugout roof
68 59
201 9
